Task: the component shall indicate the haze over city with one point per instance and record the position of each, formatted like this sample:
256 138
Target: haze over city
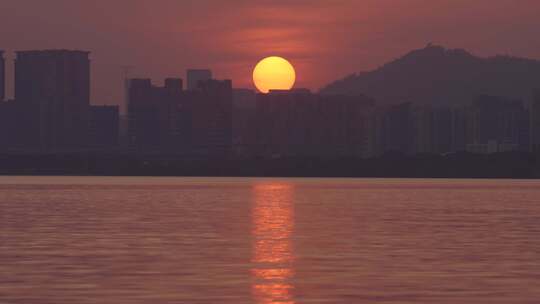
325 40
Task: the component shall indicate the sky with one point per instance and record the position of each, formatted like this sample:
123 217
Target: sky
324 39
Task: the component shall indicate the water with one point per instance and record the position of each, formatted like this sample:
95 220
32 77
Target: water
205 240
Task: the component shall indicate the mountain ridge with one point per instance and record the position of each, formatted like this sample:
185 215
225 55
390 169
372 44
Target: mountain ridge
439 76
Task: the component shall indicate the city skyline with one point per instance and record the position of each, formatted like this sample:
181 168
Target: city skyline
320 45
208 117
8 69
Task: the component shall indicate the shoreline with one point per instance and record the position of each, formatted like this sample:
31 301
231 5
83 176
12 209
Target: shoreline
515 165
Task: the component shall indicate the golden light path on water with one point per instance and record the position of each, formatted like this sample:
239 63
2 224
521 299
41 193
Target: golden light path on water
273 252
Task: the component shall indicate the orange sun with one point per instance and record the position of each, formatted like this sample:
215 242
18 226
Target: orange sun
274 73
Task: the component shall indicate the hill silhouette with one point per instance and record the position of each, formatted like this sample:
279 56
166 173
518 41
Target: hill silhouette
439 76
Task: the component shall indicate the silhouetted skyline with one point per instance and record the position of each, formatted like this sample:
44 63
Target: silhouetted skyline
325 40
51 112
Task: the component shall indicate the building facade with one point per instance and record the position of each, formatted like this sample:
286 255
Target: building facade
10 125
154 115
211 107
535 122
53 88
497 125
2 76
399 129
103 127
195 76
243 117
298 123
170 119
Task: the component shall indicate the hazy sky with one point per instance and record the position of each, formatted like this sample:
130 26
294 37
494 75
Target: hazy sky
324 39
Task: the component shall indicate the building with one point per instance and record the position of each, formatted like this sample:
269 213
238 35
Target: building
343 124
499 124
211 107
53 88
143 115
423 129
398 129
376 132
155 115
243 118
284 123
195 76
432 130
10 127
169 119
442 130
123 130
103 127
535 122
300 123
459 129
2 76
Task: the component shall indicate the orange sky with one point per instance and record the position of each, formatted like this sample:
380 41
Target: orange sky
324 39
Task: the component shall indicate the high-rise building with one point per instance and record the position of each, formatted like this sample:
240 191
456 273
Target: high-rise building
53 88
459 129
343 124
376 140
10 127
211 115
535 122
432 129
193 122
143 125
300 123
423 130
195 76
244 106
155 115
103 127
2 76
285 123
442 130
497 125
398 129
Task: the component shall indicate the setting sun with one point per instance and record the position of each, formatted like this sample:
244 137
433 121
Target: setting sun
274 73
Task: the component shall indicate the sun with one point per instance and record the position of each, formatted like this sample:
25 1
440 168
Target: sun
274 73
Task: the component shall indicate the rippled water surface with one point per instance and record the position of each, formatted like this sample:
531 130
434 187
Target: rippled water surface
206 240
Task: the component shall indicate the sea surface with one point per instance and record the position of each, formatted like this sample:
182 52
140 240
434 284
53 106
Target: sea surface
232 240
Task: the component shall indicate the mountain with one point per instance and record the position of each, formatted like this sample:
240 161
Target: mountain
439 76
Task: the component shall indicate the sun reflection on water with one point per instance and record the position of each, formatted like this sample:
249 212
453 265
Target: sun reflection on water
273 254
